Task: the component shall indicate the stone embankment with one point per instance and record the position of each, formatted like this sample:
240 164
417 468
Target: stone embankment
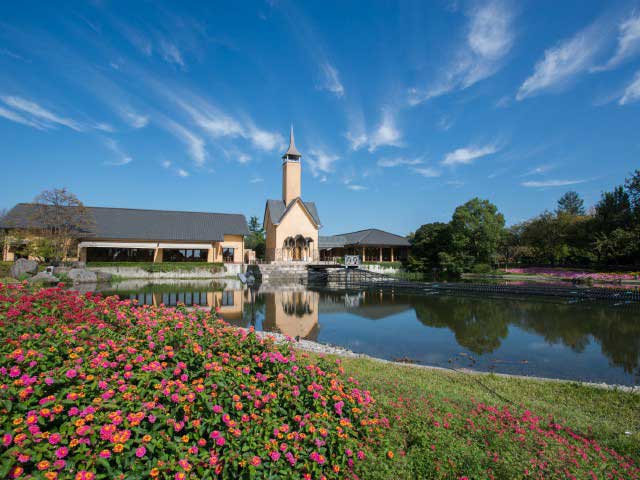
229 270
279 272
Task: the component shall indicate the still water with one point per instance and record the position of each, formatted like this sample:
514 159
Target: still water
588 342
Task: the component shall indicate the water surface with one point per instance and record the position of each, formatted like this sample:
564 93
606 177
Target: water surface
532 336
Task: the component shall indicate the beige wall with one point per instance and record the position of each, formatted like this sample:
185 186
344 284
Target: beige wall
292 313
291 181
296 222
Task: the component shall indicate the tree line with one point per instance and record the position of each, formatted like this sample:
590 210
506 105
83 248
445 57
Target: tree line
607 235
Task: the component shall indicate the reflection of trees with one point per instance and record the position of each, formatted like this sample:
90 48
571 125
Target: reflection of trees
478 325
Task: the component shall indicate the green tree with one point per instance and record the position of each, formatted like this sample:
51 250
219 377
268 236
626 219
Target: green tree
477 229
256 241
613 210
427 243
632 186
571 204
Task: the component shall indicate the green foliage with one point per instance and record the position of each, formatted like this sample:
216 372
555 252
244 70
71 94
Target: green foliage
256 239
570 203
476 230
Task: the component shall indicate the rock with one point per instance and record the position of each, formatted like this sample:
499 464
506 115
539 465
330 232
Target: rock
44 277
59 270
22 266
103 276
80 275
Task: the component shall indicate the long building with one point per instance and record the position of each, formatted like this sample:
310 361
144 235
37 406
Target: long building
291 226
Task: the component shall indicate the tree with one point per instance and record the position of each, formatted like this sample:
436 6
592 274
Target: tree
477 229
571 204
427 243
613 210
255 241
59 218
632 186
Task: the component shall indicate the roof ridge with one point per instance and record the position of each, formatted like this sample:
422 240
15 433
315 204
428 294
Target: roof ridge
146 209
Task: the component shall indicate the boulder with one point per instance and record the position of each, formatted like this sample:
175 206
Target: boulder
103 276
22 266
44 277
59 270
80 275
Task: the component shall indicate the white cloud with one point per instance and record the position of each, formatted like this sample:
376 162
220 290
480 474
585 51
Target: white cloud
563 62
395 162
628 42
632 91
264 140
123 158
134 119
104 127
466 155
357 140
386 133
40 115
489 39
540 169
332 80
427 172
182 173
356 188
170 52
16 117
243 158
551 183
166 164
321 162
445 123
195 144
256 180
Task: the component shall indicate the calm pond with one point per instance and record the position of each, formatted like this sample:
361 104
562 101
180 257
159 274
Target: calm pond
589 342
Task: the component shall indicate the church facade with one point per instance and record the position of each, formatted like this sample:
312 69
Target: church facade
291 224
292 227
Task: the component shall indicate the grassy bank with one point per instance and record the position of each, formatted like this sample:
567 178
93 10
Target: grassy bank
161 267
423 402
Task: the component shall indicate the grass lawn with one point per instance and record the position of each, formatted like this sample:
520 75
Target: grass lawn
419 399
162 266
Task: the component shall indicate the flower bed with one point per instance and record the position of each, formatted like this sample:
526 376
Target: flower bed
97 388
574 274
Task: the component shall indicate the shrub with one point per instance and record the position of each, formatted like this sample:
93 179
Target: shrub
481 268
162 266
96 388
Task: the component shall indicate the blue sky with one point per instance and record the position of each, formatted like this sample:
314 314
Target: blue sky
402 110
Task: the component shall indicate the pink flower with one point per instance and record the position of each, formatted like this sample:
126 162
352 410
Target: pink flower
54 438
6 439
140 452
62 452
71 373
275 456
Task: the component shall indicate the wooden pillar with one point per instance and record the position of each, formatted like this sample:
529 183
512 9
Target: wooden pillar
392 254
364 254
380 260
157 256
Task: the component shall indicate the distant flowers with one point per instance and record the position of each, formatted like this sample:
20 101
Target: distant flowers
575 274
94 387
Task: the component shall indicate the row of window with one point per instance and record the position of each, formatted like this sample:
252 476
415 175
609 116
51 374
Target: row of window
104 254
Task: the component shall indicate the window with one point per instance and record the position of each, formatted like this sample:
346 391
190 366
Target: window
184 255
103 254
228 254
227 298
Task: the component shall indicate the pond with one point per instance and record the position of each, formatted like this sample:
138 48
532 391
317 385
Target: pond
532 336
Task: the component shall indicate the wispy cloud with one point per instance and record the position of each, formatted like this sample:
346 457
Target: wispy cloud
628 42
16 117
122 157
632 91
133 118
445 123
166 164
39 115
467 155
321 162
182 173
488 41
540 169
170 52
564 61
9 53
356 188
386 133
398 161
427 172
195 144
332 80
256 180
551 183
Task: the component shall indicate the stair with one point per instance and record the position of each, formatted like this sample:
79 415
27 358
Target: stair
279 272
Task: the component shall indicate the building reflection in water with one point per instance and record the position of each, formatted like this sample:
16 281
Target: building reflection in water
292 313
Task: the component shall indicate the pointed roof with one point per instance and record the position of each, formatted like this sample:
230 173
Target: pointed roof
292 150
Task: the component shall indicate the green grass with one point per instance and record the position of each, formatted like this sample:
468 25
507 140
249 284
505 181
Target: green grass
5 268
162 267
598 414
385 264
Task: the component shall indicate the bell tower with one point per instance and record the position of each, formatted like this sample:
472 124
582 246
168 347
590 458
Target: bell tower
291 173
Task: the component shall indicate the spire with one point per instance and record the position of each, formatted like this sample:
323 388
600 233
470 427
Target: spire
292 152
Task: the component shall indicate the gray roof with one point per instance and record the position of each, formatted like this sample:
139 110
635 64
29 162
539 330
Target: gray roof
131 223
369 237
277 209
